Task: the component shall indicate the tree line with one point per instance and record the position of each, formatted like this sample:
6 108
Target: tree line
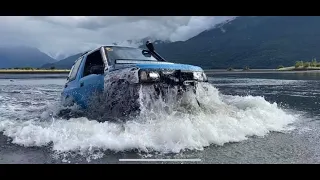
306 64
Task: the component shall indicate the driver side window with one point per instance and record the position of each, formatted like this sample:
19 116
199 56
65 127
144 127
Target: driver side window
94 64
74 70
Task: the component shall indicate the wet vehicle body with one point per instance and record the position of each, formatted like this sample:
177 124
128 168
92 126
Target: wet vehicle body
117 73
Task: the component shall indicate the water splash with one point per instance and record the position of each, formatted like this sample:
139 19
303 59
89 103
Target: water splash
172 125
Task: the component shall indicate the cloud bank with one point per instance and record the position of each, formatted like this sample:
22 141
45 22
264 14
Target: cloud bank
62 36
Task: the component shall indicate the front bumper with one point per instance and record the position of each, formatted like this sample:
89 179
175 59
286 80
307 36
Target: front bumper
172 78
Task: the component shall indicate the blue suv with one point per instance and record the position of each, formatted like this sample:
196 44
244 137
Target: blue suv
118 72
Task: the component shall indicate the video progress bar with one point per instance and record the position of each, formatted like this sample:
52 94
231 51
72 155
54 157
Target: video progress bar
162 160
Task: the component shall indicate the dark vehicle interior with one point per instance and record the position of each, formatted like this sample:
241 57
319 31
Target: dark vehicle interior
128 53
94 64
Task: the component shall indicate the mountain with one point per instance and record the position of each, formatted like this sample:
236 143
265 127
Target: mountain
257 42
21 56
64 63
254 41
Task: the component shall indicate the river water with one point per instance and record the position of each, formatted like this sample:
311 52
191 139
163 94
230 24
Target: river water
245 118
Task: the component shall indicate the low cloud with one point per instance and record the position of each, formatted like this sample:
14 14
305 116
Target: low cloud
63 36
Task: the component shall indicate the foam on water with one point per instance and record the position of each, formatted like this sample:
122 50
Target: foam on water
164 126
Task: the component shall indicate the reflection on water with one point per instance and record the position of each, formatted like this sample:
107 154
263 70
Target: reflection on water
298 91
307 75
300 76
33 76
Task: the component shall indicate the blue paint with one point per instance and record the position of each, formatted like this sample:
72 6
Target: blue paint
157 66
90 84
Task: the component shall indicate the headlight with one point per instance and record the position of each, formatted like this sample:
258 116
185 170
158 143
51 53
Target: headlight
200 76
197 76
149 76
154 75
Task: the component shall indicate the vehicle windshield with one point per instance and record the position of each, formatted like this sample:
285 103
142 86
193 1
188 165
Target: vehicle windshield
126 55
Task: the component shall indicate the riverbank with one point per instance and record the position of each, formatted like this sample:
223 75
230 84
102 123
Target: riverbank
207 71
237 71
292 68
34 71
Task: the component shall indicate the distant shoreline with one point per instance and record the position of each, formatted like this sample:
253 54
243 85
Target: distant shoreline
207 71
281 70
292 68
34 71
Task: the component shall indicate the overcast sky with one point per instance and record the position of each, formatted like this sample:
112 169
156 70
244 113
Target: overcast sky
67 35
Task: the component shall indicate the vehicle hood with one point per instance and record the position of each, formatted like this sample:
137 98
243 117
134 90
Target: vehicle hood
159 66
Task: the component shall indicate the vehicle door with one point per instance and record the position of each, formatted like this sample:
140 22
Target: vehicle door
71 89
92 77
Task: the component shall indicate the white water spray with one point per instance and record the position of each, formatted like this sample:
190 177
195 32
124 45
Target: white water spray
166 127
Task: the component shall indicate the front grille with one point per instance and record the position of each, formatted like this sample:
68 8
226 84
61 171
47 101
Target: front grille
186 76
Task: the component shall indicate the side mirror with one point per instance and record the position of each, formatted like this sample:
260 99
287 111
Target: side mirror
97 70
146 53
150 46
